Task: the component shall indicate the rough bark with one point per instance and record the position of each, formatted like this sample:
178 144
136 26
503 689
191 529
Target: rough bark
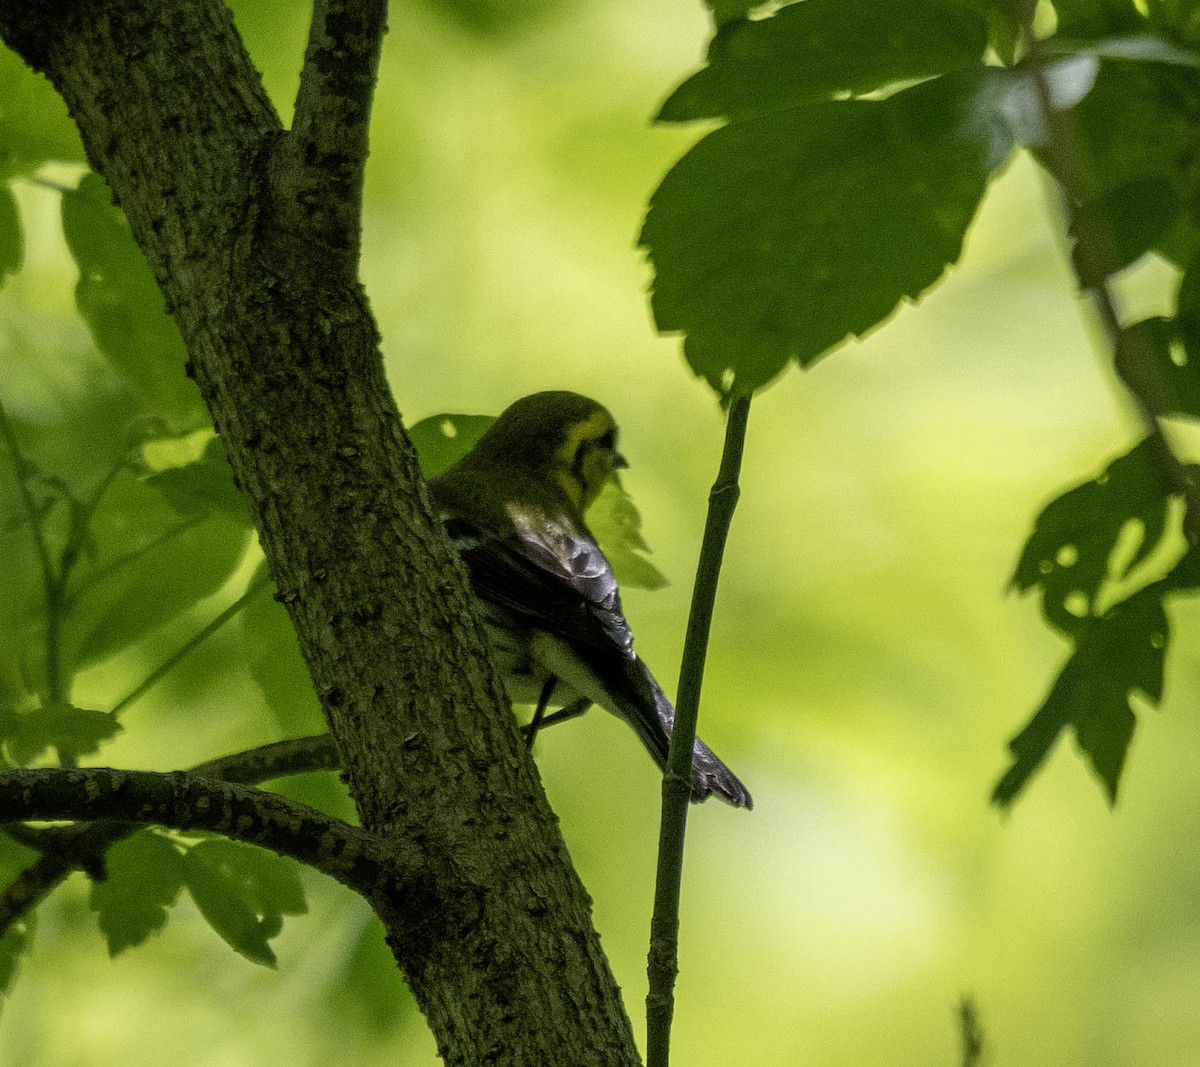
244 227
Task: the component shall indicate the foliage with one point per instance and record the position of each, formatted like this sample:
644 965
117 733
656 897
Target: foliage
858 142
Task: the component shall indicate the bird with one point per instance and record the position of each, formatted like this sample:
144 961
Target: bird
514 507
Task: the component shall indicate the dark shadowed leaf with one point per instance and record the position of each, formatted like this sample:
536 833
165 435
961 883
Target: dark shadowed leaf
195 482
1187 310
813 50
776 238
1069 552
145 874
1134 217
18 939
1097 18
1154 359
1136 126
442 440
276 665
244 893
119 300
72 731
1116 655
35 127
146 565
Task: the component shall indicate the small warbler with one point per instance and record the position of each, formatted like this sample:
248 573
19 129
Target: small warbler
514 508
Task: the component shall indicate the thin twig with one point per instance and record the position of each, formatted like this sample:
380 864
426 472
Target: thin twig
100 573
51 581
970 1032
190 645
662 964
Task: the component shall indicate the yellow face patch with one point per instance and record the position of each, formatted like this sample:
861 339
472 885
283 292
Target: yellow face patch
585 459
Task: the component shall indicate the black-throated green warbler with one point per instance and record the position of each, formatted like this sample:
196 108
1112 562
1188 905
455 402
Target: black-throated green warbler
514 508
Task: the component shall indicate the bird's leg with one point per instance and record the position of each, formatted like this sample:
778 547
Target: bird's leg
535 724
573 711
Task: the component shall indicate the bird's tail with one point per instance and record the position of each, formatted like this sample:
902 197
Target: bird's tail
709 774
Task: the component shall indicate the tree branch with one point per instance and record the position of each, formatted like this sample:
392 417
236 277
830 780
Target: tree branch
326 150
296 755
83 846
182 801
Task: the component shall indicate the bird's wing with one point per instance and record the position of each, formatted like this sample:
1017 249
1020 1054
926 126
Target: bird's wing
554 579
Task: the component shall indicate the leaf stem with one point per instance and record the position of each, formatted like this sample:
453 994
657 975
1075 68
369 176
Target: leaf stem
663 961
1095 262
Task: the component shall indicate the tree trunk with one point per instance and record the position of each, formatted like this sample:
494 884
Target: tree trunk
252 232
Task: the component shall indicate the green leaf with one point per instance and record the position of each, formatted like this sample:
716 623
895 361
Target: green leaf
1069 552
35 127
244 893
1135 217
18 939
147 565
119 300
442 440
368 989
144 875
1116 655
1136 126
12 239
273 657
199 484
776 238
72 731
1155 360
1097 18
819 48
617 524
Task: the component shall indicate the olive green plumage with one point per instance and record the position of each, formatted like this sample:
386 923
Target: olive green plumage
514 507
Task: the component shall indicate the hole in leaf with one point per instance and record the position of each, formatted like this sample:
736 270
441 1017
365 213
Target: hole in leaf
1158 640
1067 556
1178 353
727 378
1077 604
448 428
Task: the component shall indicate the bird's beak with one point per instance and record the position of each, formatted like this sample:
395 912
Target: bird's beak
619 462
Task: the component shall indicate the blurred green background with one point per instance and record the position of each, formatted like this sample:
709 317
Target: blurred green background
866 667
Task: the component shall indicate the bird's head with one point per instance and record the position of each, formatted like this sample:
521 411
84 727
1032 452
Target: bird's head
559 435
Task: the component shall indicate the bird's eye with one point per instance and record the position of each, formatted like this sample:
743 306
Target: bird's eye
608 440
